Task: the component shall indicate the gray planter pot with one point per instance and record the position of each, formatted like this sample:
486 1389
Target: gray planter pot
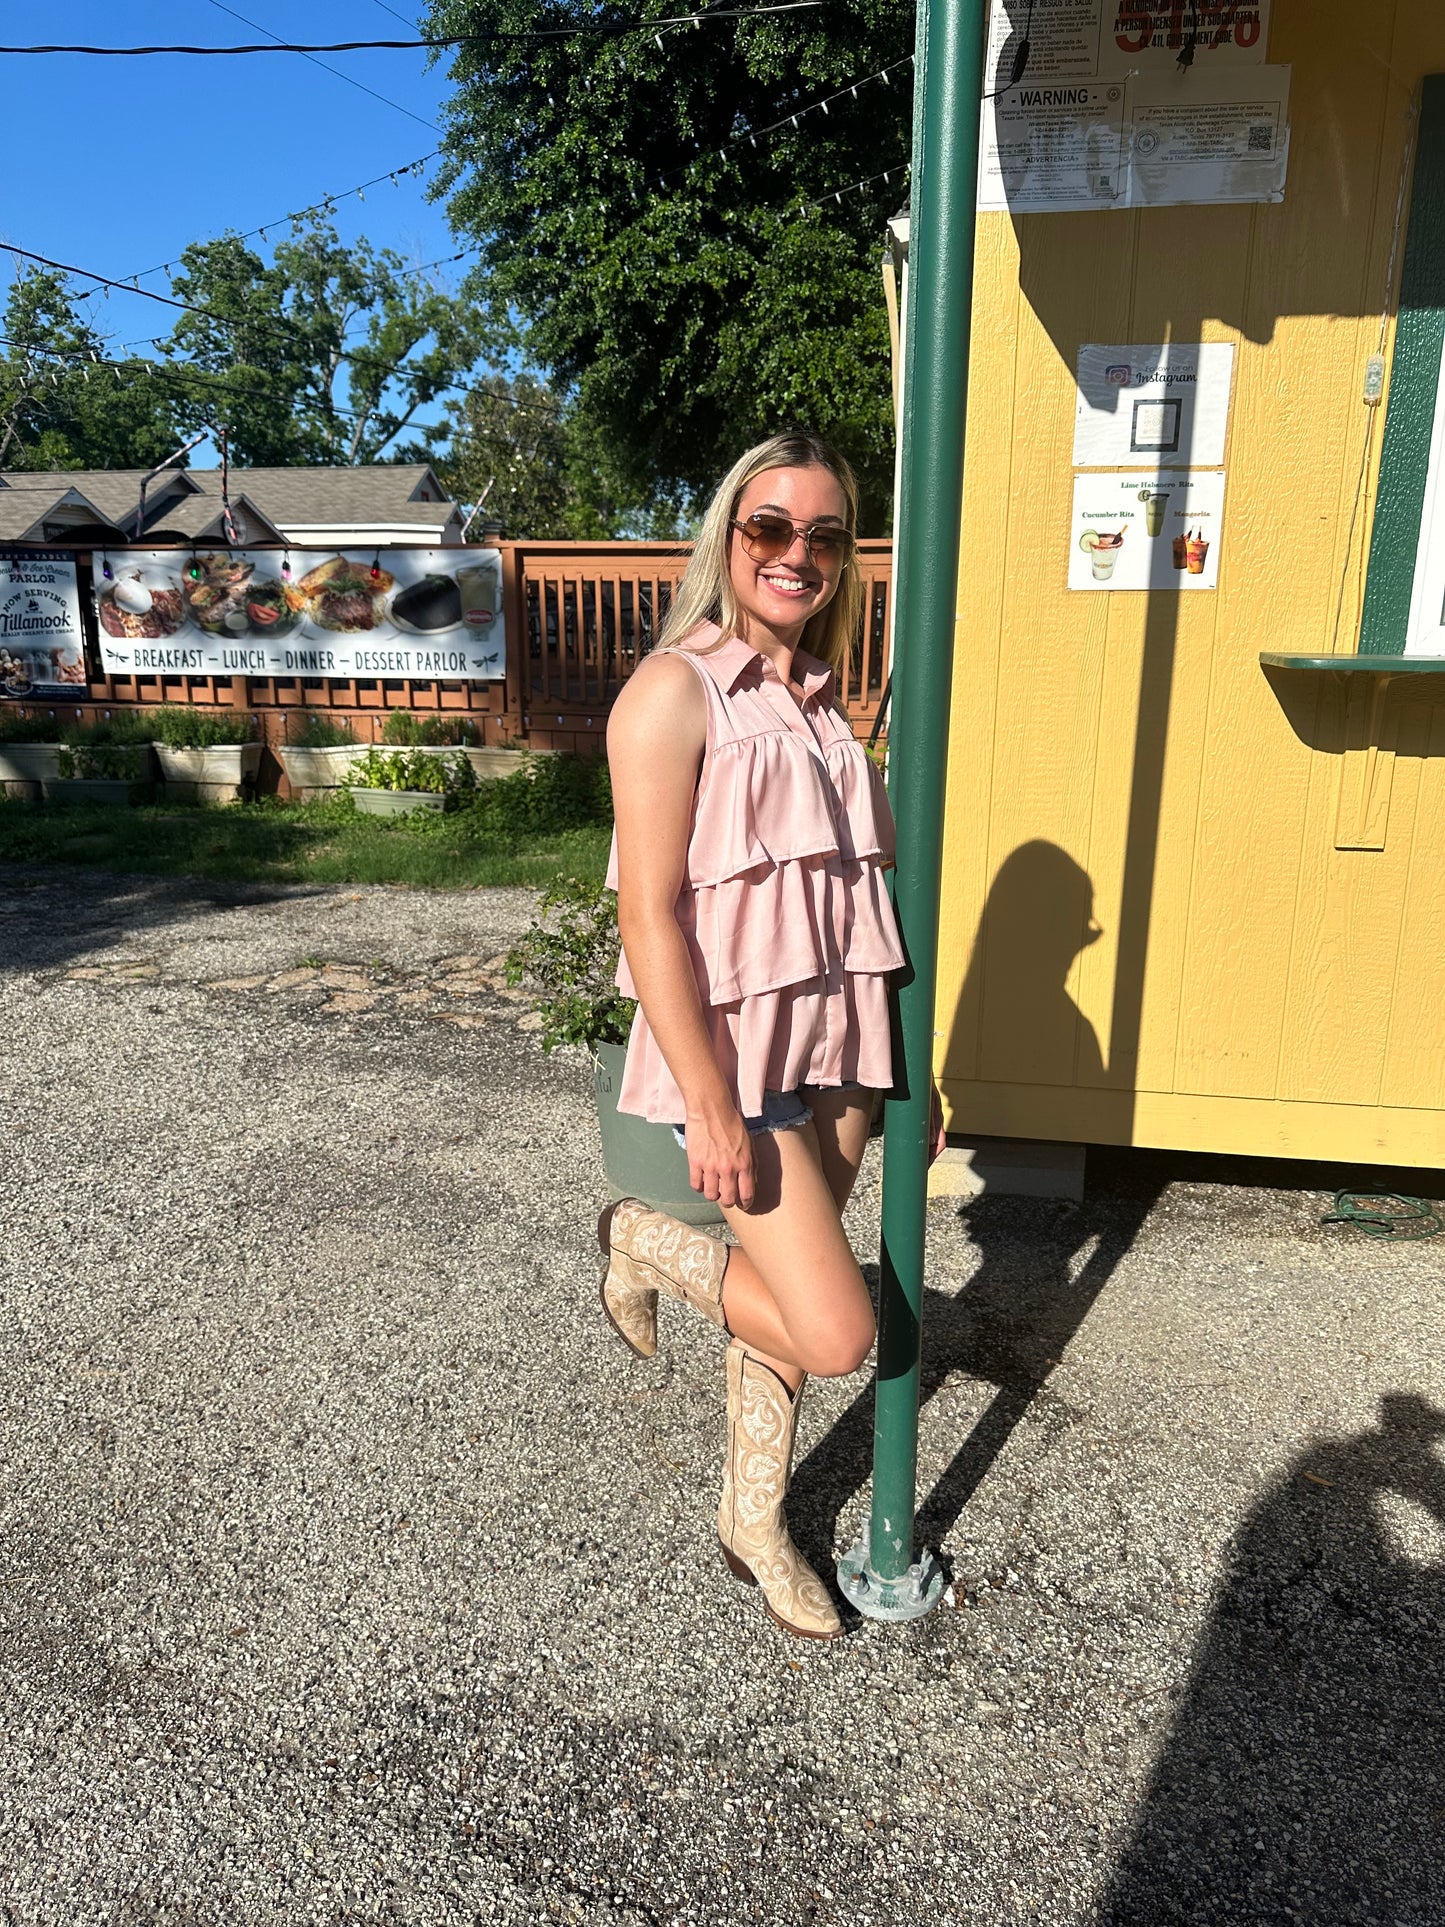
220 775
24 767
396 802
88 789
643 1160
309 770
29 762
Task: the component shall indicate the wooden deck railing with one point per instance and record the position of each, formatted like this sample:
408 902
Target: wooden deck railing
580 615
589 612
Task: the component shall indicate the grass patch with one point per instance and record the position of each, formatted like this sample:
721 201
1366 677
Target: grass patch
326 842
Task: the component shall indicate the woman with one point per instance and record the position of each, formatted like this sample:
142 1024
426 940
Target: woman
752 835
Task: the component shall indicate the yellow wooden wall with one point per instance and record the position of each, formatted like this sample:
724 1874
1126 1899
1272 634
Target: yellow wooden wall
1244 984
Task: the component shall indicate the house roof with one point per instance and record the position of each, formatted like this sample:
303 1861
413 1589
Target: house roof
189 499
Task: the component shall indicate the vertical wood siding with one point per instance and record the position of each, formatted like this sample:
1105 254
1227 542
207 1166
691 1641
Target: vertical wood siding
1244 984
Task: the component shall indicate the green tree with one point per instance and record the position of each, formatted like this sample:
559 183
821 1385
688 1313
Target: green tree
327 354
692 293
61 404
517 439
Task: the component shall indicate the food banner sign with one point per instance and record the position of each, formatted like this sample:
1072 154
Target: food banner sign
42 645
390 615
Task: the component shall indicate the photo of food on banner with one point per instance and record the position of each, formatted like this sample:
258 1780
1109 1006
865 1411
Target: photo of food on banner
246 598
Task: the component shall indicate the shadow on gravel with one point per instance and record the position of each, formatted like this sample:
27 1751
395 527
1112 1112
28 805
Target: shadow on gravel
50 918
1009 1327
1304 1777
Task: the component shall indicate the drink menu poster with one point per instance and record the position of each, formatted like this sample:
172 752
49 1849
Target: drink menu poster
1135 531
389 615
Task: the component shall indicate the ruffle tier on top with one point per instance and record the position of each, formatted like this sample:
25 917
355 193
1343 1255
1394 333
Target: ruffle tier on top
787 920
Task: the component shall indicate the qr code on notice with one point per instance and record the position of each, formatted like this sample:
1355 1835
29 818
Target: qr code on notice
1261 138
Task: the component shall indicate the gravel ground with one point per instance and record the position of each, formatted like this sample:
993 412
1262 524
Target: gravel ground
353 1573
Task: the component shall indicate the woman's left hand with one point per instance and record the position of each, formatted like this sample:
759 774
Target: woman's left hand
938 1140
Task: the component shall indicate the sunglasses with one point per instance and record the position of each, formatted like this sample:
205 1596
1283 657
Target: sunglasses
767 537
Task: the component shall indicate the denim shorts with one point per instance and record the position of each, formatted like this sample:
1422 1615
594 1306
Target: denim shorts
782 1111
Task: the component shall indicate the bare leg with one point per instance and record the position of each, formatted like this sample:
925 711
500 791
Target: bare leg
793 1292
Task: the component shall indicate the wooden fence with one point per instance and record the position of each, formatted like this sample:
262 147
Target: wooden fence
579 617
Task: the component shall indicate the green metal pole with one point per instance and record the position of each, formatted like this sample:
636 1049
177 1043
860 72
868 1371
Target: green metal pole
880 1574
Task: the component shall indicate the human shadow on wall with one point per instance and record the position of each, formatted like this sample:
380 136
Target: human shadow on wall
1304 1777
1042 1262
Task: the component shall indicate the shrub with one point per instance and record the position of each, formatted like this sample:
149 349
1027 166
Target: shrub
126 726
431 732
547 793
22 726
318 731
200 728
399 770
568 959
113 762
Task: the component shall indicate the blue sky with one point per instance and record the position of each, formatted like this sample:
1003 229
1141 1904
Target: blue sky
117 164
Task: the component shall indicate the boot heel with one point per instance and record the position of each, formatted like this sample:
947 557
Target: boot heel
735 1565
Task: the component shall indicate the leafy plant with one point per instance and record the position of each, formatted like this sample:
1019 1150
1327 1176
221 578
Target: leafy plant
318 731
127 726
400 769
109 762
567 960
199 728
24 726
546 793
435 732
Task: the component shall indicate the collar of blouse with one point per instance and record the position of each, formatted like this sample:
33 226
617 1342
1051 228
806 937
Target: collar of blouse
736 661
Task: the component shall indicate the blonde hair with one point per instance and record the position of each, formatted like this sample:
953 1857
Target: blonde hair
705 593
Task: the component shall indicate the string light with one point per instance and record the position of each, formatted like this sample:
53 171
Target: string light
790 120
325 205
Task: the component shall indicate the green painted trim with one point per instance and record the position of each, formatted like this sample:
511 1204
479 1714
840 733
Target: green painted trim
1414 378
1370 665
948 82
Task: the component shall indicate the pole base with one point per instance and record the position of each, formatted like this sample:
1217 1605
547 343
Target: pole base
917 1592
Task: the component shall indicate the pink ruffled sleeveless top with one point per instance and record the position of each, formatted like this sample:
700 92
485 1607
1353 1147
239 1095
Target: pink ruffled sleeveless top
788 923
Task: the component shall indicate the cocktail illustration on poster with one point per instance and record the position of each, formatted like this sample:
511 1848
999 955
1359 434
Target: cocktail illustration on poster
1136 530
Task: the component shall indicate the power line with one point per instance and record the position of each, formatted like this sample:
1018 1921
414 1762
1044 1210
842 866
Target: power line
140 365
336 72
591 30
170 301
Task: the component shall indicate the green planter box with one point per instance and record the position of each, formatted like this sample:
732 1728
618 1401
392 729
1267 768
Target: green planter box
643 1160
396 802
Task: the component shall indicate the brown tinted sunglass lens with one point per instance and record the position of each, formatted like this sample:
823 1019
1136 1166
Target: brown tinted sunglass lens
767 537
828 544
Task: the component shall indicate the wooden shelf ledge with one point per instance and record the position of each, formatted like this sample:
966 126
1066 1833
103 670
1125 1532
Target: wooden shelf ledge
1358 665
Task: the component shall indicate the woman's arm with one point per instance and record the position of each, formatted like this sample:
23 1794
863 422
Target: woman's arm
656 736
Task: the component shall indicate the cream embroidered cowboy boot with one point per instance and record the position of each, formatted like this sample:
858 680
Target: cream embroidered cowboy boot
647 1251
762 1423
